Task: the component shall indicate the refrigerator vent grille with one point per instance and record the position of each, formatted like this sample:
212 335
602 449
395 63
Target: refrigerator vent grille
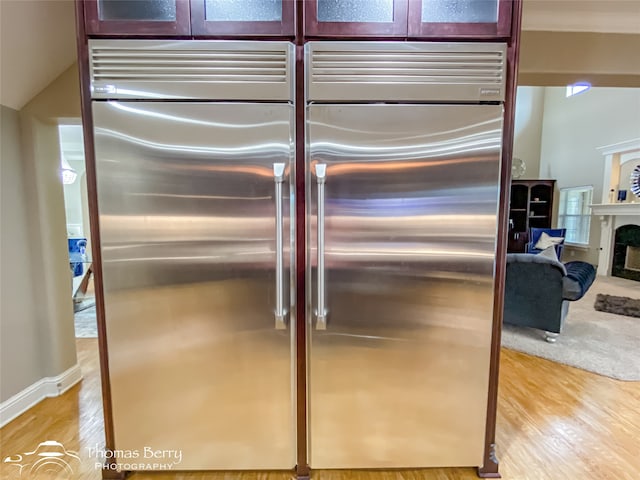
109 65
188 69
424 71
459 67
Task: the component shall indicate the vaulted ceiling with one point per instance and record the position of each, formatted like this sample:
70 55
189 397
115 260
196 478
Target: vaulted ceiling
37 43
37 37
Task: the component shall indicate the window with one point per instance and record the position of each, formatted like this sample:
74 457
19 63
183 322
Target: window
577 88
574 213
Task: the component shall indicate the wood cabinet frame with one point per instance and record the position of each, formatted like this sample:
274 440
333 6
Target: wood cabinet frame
181 26
419 29
407 23
200 26
315 28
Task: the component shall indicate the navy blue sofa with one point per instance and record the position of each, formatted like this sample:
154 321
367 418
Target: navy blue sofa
538 290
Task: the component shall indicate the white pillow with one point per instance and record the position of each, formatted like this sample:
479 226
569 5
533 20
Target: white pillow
547 241
550 252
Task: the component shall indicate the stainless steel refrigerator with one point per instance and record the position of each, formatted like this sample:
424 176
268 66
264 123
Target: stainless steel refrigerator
194 161
402 168
195 147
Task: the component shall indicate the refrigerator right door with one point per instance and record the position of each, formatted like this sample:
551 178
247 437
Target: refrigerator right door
402 205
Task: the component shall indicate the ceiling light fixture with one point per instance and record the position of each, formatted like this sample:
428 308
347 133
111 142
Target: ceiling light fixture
67 173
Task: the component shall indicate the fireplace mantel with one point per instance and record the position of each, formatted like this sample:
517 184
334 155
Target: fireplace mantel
614 215
600 209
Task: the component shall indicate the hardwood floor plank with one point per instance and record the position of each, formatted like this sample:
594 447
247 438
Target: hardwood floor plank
554 423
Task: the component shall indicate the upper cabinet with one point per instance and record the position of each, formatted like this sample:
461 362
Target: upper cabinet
400 19
459 18
408 18
355 18
137 17
243 17
190 17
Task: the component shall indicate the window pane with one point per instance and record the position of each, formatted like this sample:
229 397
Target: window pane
574 204
576 89
355 11
243 10
572 226
585 225
460 11
158 10
586 201
574 213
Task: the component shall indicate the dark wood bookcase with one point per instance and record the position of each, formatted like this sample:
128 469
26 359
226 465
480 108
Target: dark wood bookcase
531 205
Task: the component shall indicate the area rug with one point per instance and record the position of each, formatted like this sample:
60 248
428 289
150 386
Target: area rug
86 325
618 305
600 342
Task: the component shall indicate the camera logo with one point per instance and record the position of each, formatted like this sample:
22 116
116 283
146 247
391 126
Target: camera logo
49 460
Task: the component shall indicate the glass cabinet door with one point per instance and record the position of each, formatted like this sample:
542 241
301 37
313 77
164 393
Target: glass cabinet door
355 18
243 17
137 17
460 18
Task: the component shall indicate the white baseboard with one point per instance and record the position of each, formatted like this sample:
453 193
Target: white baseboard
35 393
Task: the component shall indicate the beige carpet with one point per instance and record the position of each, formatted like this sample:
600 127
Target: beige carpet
599 342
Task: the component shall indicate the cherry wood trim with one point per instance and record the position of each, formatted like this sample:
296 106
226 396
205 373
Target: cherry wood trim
489 469
506 26
284 28
315 28
96 252
136 28
302 461
485 31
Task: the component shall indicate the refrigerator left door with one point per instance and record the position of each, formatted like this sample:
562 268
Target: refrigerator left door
194 206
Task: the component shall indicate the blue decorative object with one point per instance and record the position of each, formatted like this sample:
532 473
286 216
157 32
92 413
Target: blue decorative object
77 251
622 195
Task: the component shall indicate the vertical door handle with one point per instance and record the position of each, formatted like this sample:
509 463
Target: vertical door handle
278 176
321 312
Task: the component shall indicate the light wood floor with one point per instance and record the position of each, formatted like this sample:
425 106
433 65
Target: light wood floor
554 423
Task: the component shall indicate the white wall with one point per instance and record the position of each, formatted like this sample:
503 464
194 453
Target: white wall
528 128
36 323
20 359
41 156
572 129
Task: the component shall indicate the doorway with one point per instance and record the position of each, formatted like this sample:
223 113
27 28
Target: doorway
74 180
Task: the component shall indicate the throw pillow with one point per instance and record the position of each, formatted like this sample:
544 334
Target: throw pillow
545 241
550 252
